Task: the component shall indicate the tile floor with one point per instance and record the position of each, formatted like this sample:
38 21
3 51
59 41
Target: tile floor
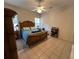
50 49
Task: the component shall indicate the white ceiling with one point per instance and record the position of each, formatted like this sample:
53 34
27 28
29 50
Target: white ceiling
32 4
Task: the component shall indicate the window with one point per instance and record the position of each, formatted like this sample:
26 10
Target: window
15 23
37 22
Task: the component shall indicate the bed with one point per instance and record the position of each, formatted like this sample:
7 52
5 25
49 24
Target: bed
30 35
36 38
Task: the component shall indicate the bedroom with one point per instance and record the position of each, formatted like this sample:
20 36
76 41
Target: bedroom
59 15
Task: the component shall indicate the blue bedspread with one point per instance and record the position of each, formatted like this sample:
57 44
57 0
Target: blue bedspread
25 35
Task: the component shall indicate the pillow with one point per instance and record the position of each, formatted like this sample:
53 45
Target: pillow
26 28
32 28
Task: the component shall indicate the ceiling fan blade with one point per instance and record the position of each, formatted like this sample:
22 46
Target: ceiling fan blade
34 9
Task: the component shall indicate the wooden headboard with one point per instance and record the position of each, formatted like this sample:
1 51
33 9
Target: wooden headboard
27 24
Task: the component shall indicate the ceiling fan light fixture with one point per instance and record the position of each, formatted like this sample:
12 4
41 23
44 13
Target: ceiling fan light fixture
40 9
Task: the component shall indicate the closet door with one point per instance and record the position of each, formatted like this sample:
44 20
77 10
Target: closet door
10 50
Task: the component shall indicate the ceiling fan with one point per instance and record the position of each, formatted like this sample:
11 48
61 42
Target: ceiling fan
39 9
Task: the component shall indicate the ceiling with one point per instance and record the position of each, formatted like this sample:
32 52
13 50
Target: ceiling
32 4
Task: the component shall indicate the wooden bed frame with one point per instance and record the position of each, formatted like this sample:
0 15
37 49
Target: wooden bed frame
35 38
27 24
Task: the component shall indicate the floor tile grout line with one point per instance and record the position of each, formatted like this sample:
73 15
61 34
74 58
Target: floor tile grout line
54 52
62 51
64 48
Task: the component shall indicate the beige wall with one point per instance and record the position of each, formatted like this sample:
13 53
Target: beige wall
62 18
23 14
